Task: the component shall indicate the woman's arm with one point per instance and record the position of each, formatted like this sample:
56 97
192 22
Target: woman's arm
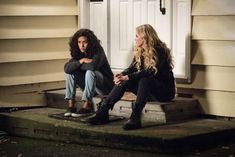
140 74
95 62
120 78
133 73
71 66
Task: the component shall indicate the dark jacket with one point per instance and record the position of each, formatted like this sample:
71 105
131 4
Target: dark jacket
99 63
164 72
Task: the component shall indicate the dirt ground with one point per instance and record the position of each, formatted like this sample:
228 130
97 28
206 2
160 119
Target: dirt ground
26 147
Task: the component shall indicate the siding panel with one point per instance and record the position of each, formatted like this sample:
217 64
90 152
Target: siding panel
14 50
42 7
212 78
31 72
37 27
213 7
219 53
30 88
213 28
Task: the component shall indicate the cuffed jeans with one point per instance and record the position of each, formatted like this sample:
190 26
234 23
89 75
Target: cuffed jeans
90 82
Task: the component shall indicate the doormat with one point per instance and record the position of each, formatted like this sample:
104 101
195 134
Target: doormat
112 118
83 119
62 117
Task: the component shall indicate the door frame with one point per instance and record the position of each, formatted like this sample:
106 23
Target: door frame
84 11
84 22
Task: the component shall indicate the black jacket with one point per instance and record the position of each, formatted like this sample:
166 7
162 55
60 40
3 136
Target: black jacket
99 63
164 72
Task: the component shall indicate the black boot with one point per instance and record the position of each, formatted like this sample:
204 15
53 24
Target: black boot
101 116
135 120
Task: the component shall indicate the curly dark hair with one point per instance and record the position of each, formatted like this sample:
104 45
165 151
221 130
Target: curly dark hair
92 47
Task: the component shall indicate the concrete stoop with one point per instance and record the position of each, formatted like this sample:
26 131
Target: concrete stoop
167 127
174 137
154 112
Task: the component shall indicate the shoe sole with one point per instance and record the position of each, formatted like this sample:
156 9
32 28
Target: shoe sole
81 115
67 114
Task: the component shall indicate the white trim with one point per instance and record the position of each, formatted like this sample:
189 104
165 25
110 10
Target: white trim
188 42
185 29
84 8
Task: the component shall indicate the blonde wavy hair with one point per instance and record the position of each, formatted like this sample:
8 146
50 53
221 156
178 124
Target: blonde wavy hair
148 48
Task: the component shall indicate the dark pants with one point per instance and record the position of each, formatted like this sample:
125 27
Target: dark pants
146 89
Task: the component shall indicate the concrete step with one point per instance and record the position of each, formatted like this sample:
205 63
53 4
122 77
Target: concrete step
174 137
55 98
176 110
154 112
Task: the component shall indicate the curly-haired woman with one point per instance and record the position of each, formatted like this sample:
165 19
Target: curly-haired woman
89 69
149 77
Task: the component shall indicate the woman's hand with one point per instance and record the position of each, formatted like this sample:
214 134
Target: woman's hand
119 79
85 60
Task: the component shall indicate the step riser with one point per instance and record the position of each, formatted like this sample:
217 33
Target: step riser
156 112
58 101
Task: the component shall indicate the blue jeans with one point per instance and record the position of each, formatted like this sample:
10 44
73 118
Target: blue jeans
90 82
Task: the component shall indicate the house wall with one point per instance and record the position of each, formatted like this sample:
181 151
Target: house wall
34 39
213 56
34 47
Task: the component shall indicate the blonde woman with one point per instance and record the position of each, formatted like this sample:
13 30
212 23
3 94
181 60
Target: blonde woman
149 77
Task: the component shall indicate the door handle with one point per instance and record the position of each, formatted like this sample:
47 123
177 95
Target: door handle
162 9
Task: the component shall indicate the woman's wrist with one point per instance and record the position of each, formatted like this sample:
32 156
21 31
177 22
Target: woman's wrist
81 61
126 77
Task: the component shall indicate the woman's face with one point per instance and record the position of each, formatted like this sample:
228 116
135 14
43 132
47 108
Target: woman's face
138 40
82 43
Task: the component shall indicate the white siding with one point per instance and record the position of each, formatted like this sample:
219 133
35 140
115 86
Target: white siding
213 7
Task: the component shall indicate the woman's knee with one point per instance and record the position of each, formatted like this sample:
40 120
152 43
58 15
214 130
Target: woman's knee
69 77
90 74
145 81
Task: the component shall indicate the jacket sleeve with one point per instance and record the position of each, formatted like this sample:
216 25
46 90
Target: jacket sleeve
133 73
71 66
97 61
140 74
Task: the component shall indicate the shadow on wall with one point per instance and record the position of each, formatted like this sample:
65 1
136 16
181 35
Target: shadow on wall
199 84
